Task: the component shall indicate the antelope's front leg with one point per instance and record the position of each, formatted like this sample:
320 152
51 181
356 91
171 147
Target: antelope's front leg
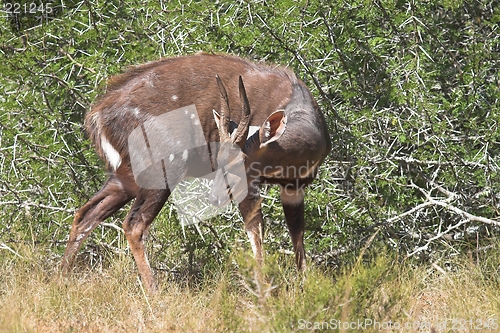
292 200
254 225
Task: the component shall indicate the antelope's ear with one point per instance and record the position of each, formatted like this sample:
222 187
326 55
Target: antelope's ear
216 118
273 128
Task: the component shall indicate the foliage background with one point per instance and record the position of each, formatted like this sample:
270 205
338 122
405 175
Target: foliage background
410 90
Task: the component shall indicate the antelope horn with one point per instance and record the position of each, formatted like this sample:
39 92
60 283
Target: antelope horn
241 134
224 110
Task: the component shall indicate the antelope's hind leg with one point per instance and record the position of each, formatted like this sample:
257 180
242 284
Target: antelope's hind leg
103 204
147 205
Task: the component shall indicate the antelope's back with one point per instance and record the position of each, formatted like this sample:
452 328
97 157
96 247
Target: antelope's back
154 88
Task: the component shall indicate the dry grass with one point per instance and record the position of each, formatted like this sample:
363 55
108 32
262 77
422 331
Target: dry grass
465 300
34 298
37 300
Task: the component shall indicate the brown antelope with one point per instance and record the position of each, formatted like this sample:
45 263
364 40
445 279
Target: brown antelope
289 141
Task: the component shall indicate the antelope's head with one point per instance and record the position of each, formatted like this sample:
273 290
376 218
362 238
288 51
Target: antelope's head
231 181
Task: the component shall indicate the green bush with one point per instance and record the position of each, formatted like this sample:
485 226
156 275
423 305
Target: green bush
410 91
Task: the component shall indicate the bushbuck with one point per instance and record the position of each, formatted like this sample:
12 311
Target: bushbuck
279 132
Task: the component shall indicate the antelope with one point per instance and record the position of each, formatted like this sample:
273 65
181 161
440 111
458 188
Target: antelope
280 136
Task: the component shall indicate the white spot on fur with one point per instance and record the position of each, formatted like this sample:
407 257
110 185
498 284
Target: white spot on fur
185 155
174 98
292 196
192 116
112 155
136 111
171 157
196 122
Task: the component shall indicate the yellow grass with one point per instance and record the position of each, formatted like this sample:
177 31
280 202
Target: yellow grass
460 296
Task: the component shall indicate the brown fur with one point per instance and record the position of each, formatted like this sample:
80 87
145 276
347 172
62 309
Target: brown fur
109 107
